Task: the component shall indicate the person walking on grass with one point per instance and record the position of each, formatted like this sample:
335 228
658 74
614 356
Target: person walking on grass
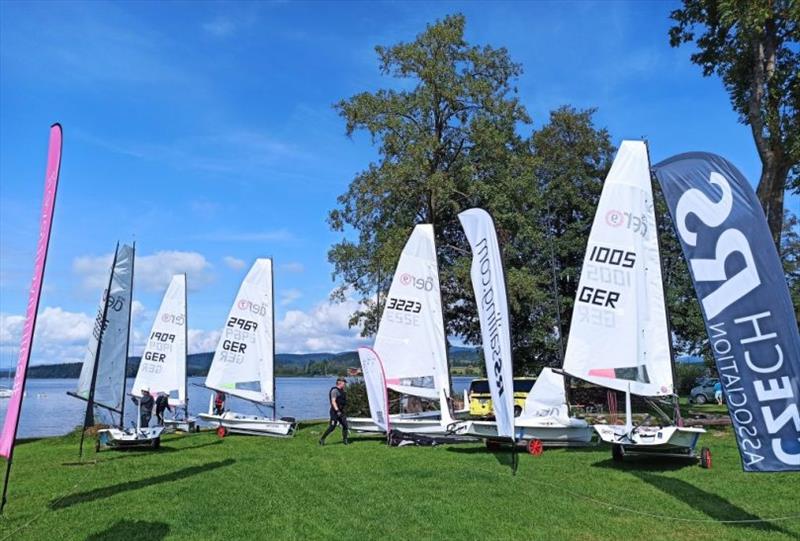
718 393
338 400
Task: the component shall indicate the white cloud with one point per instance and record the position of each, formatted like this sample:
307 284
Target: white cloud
151 272
233 263
289 296
201 341
323 328
61 336
293 266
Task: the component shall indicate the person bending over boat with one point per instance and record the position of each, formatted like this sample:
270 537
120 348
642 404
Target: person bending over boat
145 404
338 400
162 403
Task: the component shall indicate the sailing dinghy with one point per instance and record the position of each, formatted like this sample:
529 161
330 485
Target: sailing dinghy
620 336
244 359
162 369
544 421
102 379
410 342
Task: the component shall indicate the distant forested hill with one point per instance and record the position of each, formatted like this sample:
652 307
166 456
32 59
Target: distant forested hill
287 364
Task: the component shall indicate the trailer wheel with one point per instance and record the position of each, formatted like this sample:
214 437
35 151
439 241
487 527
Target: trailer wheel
705 458
222 432
535 447
156 443
617 453
97 445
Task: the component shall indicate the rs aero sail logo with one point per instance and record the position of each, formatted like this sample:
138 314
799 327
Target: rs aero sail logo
425 284
252 307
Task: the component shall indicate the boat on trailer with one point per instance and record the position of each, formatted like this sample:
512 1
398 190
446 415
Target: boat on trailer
162 368
410 343
243 363
544 421
102 380
620 337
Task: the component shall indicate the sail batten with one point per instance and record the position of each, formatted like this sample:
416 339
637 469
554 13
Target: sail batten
243 361
410 339
619 337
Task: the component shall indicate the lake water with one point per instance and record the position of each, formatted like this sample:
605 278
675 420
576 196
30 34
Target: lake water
48 411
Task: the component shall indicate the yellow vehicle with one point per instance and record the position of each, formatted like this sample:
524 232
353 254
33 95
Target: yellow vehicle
480 398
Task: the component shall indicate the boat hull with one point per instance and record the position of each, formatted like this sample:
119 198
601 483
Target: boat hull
652 440
114 438
550 433
182 425
251 424
411 425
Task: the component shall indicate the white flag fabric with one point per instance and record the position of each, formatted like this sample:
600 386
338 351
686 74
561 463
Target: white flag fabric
410 338
162 368
618 336
243 361
489 285
375 382
109 383
547 398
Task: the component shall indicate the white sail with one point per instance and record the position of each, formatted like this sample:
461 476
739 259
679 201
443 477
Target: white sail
489 285
243 361
618 337
162 368
547 398
375 382
410 339
110 378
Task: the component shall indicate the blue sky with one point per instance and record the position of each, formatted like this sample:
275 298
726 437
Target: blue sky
205 132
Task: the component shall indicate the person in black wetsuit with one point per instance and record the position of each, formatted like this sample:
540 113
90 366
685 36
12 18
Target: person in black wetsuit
338 399
145 404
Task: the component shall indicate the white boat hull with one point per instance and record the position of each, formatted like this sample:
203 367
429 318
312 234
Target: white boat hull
654 440
251 424
412 425
115 438
550 432
182 425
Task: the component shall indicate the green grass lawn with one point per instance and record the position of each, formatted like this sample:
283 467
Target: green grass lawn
201 487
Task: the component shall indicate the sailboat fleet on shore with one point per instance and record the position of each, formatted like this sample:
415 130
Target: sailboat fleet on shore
409 356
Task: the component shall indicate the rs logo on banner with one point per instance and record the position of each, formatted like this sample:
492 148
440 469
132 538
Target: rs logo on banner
745 301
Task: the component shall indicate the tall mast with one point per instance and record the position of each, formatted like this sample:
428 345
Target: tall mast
676 405
88 418
185 349
444 321
127 342
272 307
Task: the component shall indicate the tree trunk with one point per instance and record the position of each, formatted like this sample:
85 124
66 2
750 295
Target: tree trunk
770 190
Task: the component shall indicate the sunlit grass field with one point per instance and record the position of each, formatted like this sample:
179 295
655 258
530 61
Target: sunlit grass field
242 487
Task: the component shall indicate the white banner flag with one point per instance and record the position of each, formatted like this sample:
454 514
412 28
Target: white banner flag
376 387
490 295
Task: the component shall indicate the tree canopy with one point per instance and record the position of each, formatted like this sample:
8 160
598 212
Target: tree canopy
754 46
453 135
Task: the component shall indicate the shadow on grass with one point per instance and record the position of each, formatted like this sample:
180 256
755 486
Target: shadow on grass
714 506
134 452
646 464
107 492
504 454
132 529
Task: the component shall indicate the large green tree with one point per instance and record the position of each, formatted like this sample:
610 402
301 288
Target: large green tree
449 140
754 46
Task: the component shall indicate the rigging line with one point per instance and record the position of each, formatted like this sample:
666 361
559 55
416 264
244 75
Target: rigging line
656 515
